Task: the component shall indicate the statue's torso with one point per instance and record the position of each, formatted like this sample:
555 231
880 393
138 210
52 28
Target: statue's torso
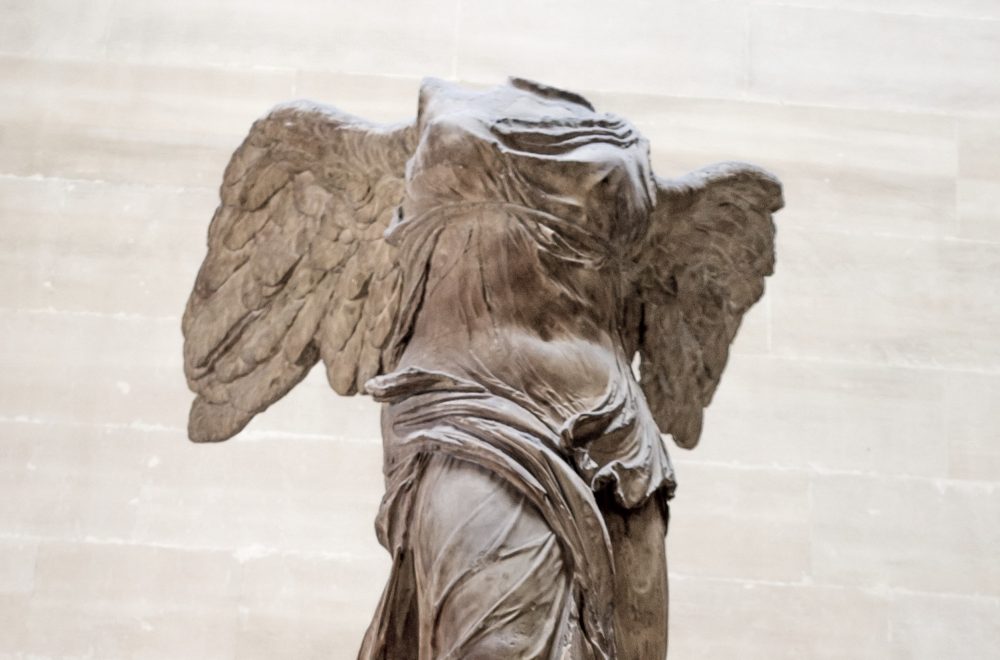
535 206
512 169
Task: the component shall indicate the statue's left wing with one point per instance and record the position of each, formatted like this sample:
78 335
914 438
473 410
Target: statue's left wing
710 246
297 266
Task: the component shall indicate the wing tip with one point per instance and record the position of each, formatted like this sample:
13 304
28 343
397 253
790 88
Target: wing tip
214 422
686 429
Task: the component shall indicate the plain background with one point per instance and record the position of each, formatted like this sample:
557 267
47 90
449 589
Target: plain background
844 502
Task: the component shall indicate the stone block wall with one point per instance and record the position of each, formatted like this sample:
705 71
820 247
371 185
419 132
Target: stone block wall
845 500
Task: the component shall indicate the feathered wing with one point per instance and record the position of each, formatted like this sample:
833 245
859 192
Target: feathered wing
711 244
297 266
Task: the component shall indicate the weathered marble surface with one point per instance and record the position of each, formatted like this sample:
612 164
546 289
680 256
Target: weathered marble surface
490 272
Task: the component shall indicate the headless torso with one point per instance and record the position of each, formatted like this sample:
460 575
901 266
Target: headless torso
527 206
524 290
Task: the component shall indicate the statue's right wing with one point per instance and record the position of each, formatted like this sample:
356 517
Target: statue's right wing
710 246
297 266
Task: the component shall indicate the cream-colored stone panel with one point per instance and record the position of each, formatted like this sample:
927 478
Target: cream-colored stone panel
915 534
737 523
54 29
14 462
833 416
84 246
105 220
722 620
869 59
886 300
17 565
188 99
300 526
937 8
977 208
317 502
305 607
124 601
145 100
927 627
377 36
973 430
979 179
281 494
92 369
175 126
109 154
72 482
13 629
676 48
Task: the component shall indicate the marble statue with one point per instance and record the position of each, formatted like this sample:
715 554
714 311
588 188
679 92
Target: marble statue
532 306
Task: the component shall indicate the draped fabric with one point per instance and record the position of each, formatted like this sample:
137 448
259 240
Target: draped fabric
573 190
476 609
565 198
490 272
432 414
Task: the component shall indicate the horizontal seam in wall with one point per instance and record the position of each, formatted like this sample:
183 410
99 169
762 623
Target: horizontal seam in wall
252 552
105 183
923 238
250 435
134 317
811 470
811 584
876 12
742 97
241 553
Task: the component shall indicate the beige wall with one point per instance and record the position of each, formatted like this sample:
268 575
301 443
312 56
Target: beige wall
845 501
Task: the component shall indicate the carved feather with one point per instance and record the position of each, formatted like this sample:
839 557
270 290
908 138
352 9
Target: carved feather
711 244
293 250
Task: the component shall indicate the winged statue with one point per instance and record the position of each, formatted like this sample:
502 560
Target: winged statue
534 309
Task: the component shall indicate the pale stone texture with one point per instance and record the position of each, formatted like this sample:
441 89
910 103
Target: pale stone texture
722 619
54 29
979 179
595 46
941 8
320 617
77 483
741 524
17 572
72 238
811 414
373 37
866 58
927 628
912 534
104 121
94 598
843 501
887 299
973 419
